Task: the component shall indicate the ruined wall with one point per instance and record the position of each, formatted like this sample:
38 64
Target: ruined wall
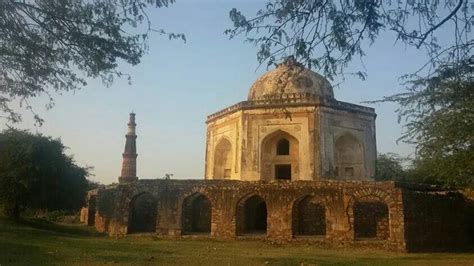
109 203
87 215
436 220
335 213
227 198
469 195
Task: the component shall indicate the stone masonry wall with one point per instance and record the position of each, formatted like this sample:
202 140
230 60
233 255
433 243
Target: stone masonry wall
436 220
281 197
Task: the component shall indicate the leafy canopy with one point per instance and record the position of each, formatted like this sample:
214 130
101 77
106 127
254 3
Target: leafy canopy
49 47
327 35
389 166
439 119
36 173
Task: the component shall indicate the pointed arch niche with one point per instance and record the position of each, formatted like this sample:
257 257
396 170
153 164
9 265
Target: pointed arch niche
279 157
309 217
197 213
251 216
349 158
223 159
142 214
371 220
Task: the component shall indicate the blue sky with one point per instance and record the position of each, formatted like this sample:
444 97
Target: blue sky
177 85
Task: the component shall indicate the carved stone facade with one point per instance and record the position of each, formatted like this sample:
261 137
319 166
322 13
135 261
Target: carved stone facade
328 139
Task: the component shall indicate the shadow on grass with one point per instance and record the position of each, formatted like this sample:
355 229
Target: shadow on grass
14 253
443 249
41 224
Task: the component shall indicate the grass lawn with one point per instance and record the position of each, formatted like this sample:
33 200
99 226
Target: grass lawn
34 242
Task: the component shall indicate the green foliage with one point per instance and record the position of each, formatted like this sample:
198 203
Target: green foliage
389 166
59 216
92 185
35 173
53 46
327 35
439 115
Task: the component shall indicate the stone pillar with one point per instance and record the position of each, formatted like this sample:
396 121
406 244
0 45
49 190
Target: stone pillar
129 164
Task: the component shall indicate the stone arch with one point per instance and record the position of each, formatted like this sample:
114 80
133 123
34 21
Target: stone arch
196 214
349 157
275 165
251 215
223 159
142 213
371 220
369 214
309 217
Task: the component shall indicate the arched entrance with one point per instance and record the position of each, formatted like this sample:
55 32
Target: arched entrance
309 217
142 214
197 213
371 220
280 157
349 158
223 159
251 216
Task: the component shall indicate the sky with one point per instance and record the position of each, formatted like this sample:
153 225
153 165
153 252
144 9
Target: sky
178 84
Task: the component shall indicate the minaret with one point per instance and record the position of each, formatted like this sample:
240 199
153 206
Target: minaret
129 165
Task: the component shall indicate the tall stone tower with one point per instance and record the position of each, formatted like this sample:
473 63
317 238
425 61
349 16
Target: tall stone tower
129 165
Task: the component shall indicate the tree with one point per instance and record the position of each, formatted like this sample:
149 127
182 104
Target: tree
439 113
49 47
389 167
91 185
35 173
327 35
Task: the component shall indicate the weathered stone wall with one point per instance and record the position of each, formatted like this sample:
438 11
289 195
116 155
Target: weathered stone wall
88 212
436 220
108 207
281 198
83 215
469 195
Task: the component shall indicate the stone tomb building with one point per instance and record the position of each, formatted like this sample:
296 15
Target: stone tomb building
291 128
290 164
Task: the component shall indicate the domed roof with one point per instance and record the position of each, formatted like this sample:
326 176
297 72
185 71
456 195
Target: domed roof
290 79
